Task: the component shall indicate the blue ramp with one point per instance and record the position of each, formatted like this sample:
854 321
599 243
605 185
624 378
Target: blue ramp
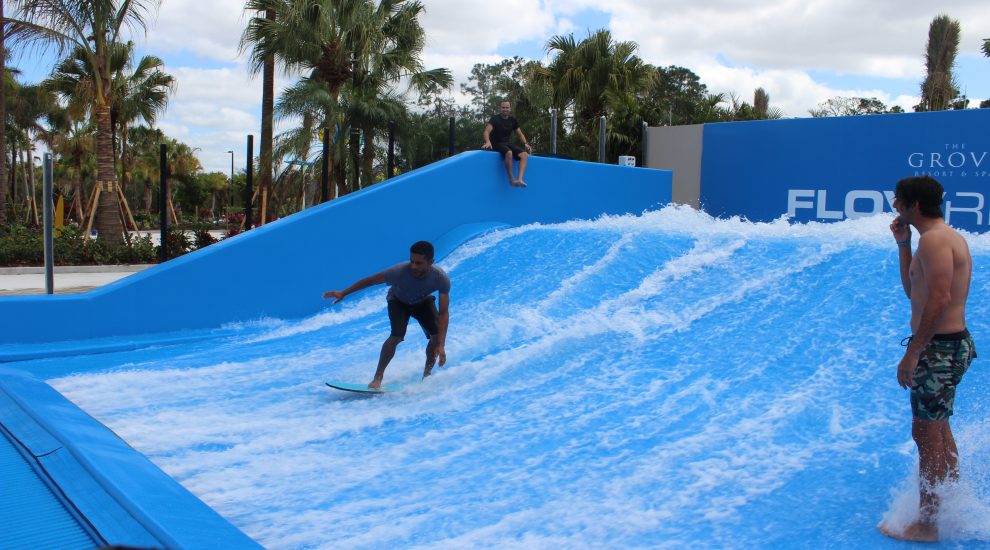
281 269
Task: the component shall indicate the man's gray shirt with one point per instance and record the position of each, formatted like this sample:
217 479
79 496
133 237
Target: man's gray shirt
406 288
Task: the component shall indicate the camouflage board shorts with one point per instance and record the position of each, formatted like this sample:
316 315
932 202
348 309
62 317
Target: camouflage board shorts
941 367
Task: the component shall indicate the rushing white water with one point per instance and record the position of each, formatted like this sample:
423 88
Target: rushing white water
665 380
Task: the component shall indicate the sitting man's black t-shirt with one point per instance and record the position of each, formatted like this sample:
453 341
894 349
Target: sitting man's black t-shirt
502 129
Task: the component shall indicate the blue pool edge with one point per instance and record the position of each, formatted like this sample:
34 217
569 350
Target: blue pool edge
122 495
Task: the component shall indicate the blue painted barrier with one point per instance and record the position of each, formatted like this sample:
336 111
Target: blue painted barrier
119 492
292 261
829 169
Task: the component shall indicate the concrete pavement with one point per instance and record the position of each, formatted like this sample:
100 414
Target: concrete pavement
16 281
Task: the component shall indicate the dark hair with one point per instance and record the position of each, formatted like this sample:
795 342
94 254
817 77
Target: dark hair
924 190
422 248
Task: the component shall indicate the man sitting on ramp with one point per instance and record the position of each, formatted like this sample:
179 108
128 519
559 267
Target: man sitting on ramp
410 294
497 134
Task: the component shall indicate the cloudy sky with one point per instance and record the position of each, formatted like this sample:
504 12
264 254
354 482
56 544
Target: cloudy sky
802 52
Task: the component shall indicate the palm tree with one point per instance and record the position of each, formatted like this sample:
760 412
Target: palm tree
141 93
144 149
30 105
388 54
72 139
324 38
257 35
939 87
3 118
590 76
93 26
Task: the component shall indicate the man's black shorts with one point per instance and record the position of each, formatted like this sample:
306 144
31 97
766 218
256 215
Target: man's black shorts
503 148
425 312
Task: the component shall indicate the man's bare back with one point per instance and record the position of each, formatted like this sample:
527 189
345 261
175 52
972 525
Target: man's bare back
941 248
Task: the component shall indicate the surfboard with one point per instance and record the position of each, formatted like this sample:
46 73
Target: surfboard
363 388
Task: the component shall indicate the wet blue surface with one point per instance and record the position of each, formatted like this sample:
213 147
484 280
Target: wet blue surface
659 381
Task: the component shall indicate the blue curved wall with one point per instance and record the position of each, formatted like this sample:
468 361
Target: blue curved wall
281 269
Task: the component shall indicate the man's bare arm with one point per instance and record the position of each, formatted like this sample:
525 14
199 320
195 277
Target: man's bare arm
524 140
488 143
371 280
444 318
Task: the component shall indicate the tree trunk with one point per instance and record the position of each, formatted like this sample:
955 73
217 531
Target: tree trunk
13 177
368 157
124 176
267 125
147 194
77 196
3 127
108 209
339 175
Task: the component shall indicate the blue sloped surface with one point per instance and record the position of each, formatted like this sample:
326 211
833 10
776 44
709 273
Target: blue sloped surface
31 515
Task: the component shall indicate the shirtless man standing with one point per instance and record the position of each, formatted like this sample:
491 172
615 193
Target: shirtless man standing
936 280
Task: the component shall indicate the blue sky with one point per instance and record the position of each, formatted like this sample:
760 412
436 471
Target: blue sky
801 53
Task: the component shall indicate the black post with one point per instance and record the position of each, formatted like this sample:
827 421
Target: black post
391 149
355 158
601 139
553 131
163 201
646 144
450 138
325 175
248 191
48 230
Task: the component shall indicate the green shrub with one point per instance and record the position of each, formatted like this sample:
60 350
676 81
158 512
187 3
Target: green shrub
21 246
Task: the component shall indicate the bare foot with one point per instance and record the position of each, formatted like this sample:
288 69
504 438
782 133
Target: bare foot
917 532
375 385
519 183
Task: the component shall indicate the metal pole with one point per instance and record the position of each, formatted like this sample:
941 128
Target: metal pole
230 184
391 149
355 158
325 175
162 202
601 140
49 232
248 222
646 144
450 137
553 131
304 185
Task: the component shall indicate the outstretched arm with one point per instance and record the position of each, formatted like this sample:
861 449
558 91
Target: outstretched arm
444 304
529 148
488 143
371 280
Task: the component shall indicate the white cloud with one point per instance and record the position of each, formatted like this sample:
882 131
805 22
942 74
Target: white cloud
473 26
878 38
210 29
